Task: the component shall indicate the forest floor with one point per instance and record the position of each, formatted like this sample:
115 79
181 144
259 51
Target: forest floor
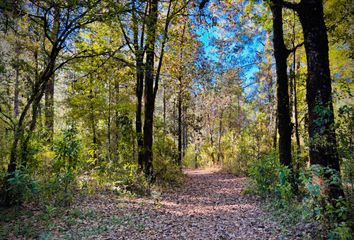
210 205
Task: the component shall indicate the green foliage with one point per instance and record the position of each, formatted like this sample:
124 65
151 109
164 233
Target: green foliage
341 232
345 134
190 157
166 170
315 184
270 178
61 189
67 150
333 213
134 182
21 187
238 150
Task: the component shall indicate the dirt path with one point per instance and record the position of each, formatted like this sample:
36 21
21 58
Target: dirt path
209 206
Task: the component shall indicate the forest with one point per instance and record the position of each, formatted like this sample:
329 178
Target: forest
176 119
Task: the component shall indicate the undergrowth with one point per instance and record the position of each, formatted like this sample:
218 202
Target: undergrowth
311 211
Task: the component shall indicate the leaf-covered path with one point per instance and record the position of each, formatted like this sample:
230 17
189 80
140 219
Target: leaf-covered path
209 206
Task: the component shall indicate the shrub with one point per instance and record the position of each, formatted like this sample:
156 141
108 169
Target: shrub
134 181
270 178
67 151
21 187
316 202
167 173
166 170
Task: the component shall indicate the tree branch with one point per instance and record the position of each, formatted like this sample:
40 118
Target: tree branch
79 56
289 5
9 120
126 38
295 48
165 36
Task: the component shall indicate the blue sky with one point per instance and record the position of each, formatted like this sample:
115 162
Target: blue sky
225 47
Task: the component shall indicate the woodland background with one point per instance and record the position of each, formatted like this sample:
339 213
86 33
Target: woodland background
123 95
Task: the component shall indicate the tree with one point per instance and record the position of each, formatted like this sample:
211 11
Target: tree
281 54
73 17
323 144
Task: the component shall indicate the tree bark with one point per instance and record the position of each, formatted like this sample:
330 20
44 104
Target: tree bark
283 111
323 144
296 115
115 128
179 130
17 83
109 123
149 97
138 119
93 120
49 92
220 155
49 109
185 130
139 56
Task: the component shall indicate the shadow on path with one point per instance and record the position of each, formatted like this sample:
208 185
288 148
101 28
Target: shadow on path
209 206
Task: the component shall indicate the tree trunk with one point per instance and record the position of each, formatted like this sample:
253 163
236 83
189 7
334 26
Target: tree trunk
17 87
149 98
275 134
281 54
138 120
323 149
139 55
295 69
49 109
296 115
179 130
164 111
93 122
115 128
185 131
49 92
219 139
109 123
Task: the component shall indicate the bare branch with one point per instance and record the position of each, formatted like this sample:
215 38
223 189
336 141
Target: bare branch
80 56
125 35
295 48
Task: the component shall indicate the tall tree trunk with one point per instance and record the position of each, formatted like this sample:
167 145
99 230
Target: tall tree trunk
219 139
275 134
49 92
283 112
115 128
109 123
139 56
323 145
49 109
185 130
149 98
93 122
17 85
296 115
179 120
295 69
164 111
180 97
138 117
